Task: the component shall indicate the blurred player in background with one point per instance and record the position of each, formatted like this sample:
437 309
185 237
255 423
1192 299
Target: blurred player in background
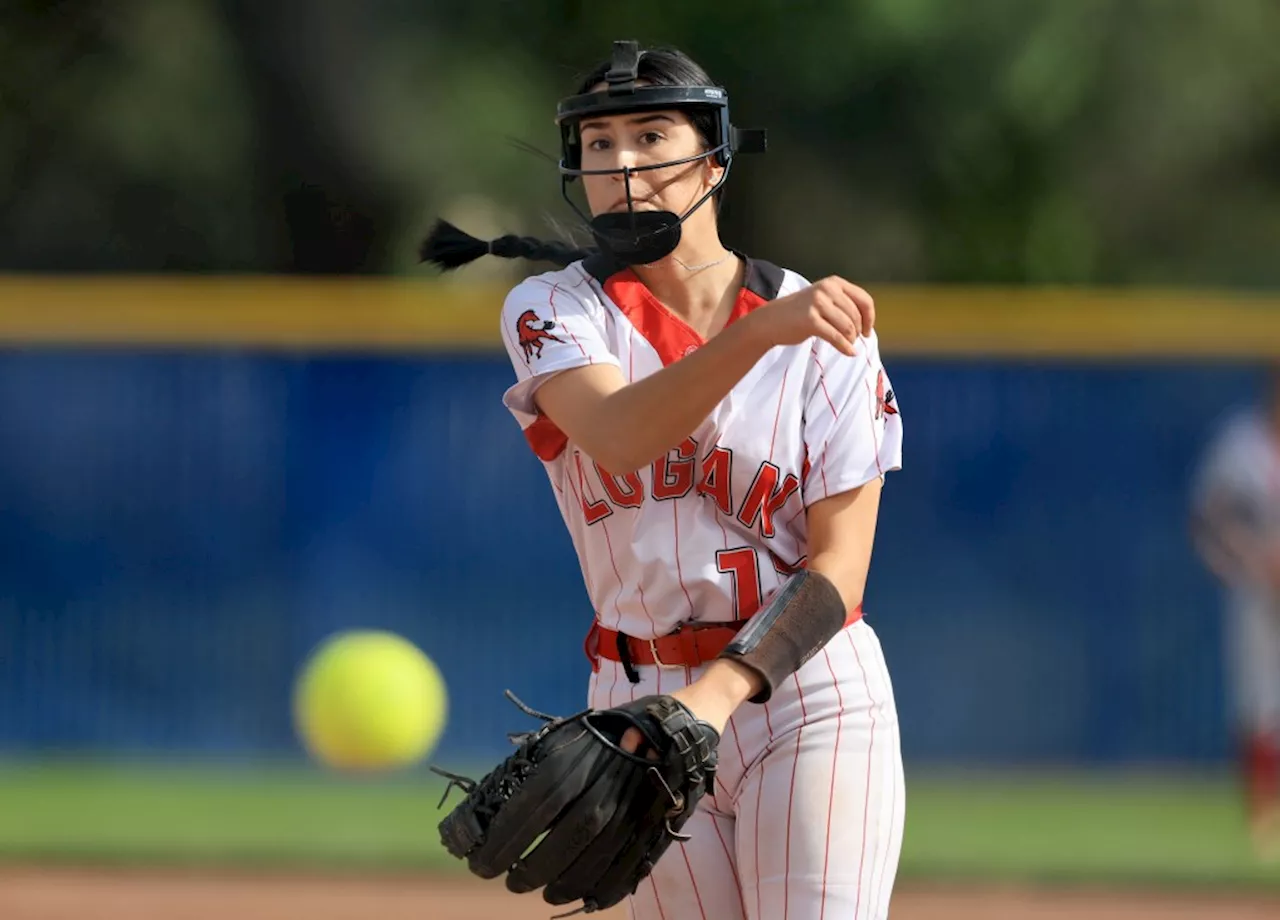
1236 526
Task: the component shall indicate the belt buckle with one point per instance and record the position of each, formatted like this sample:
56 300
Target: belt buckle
653 650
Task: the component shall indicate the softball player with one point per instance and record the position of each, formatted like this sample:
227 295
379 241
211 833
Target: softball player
1236 518
710 424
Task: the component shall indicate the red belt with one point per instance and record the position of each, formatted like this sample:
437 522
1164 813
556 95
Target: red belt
692 644
687 647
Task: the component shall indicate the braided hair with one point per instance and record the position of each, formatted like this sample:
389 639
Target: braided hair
449 247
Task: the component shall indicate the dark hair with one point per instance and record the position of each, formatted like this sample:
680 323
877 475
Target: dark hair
449 247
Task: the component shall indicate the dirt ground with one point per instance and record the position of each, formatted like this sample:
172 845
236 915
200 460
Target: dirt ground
69 894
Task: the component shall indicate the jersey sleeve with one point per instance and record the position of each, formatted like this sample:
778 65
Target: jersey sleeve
1225 504
548 327
852 426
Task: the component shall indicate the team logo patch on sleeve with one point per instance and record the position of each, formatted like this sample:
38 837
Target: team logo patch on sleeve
532 332
884 398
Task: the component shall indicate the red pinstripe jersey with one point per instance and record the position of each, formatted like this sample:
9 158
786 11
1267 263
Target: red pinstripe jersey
706 532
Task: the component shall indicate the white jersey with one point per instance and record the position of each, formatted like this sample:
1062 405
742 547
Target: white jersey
707 532
1236 504
1237 491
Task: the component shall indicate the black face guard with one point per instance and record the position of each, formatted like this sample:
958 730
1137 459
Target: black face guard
641 237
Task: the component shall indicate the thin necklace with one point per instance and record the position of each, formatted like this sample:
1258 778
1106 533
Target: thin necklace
695 268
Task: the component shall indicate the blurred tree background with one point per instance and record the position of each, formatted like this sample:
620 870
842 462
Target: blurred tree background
1039 141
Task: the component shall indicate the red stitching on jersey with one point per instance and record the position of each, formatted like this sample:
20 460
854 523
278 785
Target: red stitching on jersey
723 794
835 420
871 743
738 744
613 687
692 880
613 560
724 533
643 606
576 284
764 759
759 795
799 512
786 869
805 469
831 795
577 497
733 863
804 722
652 881
791 799
778 414
675 520
893 808
822 382
867 357
640 590
657 900
604 527
871 416
617 610
881 895
555 315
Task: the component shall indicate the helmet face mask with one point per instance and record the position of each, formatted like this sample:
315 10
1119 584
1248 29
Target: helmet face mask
640 237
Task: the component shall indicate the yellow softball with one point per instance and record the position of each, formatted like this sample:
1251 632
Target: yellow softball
368 701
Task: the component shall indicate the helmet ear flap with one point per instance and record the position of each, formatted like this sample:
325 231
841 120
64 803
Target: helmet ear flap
745 140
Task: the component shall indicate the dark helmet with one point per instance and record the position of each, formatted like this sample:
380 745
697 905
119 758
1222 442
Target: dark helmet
640 237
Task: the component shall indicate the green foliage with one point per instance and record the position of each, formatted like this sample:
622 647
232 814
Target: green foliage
1104 141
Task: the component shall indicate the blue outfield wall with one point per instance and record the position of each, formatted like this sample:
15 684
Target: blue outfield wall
178 530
